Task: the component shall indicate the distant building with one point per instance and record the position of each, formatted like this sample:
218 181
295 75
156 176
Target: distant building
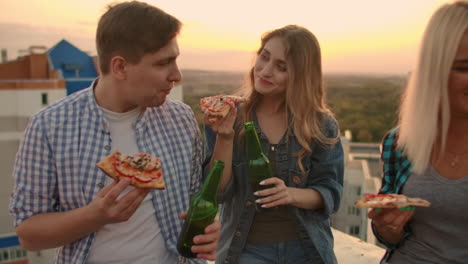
11 251
61 62
73 65
363 174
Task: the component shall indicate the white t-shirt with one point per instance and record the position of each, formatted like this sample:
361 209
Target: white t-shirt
138 240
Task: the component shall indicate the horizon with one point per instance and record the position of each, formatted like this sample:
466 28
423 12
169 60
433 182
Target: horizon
365 37
376 74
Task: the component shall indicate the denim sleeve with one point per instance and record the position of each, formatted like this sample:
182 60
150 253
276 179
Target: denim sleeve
210 140
326 175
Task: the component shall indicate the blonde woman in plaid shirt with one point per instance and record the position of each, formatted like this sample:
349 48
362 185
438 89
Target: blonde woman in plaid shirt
427 156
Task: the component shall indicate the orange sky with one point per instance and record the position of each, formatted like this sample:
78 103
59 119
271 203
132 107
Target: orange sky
374 36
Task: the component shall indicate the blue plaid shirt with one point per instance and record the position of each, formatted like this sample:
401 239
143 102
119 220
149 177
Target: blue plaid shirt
55 169
397 169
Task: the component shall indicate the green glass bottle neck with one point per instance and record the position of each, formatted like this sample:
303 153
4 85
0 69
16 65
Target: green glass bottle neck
254 148
209 189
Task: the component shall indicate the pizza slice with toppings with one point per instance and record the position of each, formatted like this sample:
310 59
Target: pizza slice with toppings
143 170
220 105
390 201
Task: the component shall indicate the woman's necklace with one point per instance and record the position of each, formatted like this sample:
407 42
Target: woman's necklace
455 161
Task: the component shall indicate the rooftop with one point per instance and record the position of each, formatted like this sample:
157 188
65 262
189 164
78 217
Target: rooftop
351 250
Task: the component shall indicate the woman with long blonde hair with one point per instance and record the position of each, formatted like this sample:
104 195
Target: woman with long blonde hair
427 155
300 136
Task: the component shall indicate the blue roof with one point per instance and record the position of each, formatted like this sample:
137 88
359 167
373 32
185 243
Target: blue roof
69 60
9 241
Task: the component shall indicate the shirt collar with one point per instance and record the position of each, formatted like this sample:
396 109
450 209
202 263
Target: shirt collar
96 111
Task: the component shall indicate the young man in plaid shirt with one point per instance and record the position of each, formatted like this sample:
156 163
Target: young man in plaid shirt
62 200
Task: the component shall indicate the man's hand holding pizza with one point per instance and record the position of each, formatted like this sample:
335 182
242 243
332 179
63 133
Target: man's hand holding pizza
140 170
106 208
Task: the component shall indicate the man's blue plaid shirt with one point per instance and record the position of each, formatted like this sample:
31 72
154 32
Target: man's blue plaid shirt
55 169
396 171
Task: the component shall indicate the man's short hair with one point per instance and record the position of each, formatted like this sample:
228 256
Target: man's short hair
131 30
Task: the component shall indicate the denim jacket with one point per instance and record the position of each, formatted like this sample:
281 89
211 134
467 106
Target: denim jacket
323 172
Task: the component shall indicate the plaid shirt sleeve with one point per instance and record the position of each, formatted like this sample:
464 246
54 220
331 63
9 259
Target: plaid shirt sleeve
35 175
197 160
396 170
389 159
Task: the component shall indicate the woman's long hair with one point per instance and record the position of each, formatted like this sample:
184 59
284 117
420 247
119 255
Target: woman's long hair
305 93
425 111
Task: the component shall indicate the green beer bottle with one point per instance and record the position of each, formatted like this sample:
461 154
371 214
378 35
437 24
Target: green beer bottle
202 211
258 165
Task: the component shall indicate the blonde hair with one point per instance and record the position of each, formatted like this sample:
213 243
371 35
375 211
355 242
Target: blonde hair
305 93
424 113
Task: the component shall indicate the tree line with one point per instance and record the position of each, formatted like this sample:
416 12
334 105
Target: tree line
365 105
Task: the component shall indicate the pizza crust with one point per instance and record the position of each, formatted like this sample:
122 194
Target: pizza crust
220 105
155 176
390 201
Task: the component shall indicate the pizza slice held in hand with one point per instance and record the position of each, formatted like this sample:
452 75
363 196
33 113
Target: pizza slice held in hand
143 170
220 105
390 201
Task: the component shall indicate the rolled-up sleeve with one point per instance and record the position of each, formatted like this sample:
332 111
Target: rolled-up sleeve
326 175
394 163
197 156
210 140
34 173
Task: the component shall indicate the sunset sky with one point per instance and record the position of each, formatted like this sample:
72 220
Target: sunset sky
367 36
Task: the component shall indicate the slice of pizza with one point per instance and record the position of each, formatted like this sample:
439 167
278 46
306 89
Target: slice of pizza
143 170
220 105
390 201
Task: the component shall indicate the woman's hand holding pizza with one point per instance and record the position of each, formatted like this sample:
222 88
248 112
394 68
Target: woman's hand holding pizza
106 208
223 127
390 222
220 113
207 243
